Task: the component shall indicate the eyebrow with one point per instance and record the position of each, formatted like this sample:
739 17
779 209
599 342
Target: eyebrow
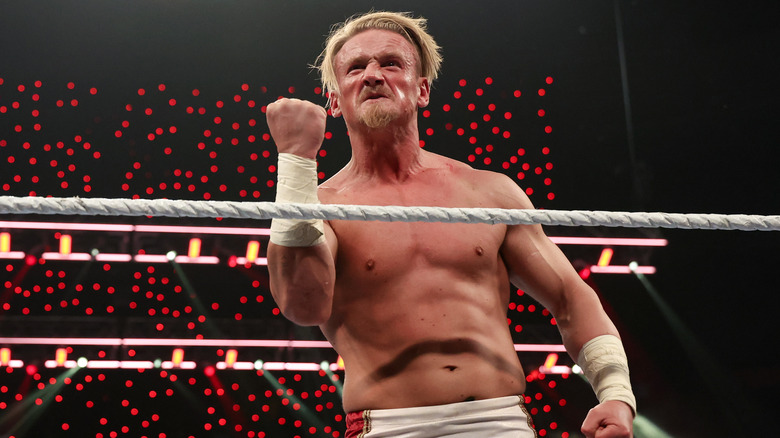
382 57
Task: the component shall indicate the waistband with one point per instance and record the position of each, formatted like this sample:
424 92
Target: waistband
421 414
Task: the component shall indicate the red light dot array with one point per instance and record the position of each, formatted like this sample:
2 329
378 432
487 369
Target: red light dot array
494 125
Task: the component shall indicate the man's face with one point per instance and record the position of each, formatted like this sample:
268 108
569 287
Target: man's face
379 80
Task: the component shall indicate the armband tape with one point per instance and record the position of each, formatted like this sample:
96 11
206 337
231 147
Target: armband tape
604 363
297 183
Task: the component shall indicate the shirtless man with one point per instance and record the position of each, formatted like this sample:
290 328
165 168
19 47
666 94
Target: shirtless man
418 310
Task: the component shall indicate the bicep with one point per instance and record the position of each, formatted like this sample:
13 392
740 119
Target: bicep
537 266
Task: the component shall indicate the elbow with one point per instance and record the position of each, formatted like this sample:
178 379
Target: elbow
305 307
306 316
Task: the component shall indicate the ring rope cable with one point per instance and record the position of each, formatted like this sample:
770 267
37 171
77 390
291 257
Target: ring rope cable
272 210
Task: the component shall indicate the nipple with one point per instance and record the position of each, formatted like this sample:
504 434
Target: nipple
479 250
370 265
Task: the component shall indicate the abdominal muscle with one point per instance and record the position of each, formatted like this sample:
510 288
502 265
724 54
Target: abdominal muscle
413 343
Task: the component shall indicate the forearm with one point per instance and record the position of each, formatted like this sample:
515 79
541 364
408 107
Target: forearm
301 280
593 342
582 318
300 260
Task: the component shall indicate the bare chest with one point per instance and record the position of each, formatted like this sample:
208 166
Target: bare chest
377 249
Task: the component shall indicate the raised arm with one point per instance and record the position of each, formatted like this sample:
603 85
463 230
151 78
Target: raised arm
538 267
302 252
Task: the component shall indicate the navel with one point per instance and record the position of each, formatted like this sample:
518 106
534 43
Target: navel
370 265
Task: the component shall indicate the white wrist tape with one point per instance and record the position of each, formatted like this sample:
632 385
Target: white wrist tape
297 183
604 363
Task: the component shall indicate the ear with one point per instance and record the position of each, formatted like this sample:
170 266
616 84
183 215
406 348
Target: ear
425 93
335 109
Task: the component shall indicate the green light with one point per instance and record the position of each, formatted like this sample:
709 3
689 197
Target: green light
171 255
82 362
325 365
258 364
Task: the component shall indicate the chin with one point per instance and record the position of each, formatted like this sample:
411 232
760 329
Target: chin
377 118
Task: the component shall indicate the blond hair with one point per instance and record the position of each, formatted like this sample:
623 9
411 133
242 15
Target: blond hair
402 23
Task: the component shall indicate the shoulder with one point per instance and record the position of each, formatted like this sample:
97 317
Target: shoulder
499 189
329 190
495 189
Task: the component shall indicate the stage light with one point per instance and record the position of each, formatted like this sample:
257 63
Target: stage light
606 257
258 364
324 365
551 360
178 357
61 356
194 249
230 358
622 269
633 266
5 242
576 369
171 255
5 356
82 362
66 242
252 250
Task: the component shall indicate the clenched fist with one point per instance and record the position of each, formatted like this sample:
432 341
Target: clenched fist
297 126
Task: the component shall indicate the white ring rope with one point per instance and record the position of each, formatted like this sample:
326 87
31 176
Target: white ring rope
270 210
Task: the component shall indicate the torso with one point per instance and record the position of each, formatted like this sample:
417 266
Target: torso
419 309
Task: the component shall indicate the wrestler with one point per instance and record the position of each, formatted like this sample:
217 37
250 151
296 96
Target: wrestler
418 310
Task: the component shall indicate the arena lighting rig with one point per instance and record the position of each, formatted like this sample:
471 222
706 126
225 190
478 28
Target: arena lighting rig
251 256
68 233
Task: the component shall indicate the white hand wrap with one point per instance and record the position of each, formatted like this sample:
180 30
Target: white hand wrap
604 363
297 183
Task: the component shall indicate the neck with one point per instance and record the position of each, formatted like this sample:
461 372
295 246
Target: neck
390 153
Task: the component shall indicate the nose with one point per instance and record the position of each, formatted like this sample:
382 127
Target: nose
372 75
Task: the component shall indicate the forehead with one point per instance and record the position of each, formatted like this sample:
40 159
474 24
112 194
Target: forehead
376 43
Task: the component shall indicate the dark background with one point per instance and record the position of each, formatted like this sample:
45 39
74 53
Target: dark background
655 106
